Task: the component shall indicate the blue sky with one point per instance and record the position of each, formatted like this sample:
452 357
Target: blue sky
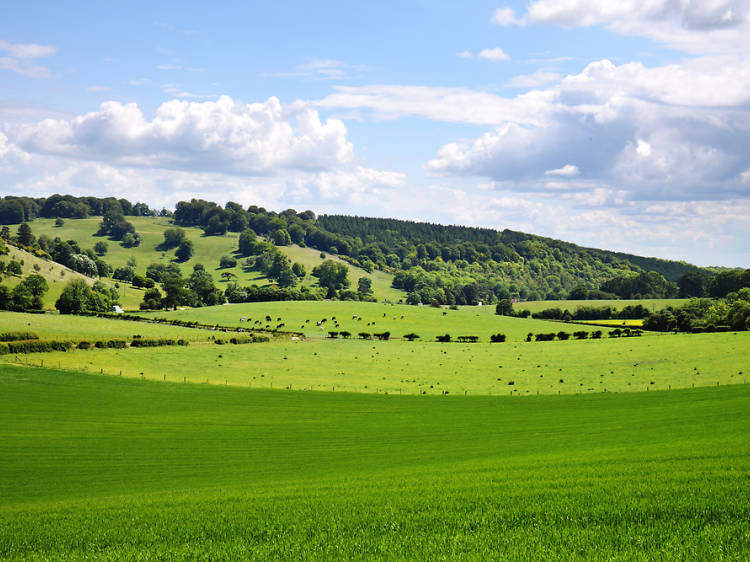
613 125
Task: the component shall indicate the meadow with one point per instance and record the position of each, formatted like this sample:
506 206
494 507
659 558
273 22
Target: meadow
104 468
355 317
651 304
399 367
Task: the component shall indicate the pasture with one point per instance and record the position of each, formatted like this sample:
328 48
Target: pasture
651 304
90 328
356 317
107 468
645 364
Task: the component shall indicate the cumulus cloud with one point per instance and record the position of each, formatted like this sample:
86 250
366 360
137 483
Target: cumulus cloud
691 25
667 132
20 58
227 136
496 54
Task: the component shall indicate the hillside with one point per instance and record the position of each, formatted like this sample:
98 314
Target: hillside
58 276
208 251
409 261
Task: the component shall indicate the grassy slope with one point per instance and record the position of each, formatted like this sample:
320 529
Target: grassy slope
425 321
114 468
208 251
651 304
611 365
58 276
76 328
590 366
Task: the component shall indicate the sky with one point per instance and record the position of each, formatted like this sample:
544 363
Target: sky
617 125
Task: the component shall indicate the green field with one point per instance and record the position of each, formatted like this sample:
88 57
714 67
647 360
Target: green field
399 367
651 304
398 319
208 251
98 467
77 328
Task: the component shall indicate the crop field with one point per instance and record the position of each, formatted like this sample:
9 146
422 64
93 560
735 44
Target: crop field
113 468
653 362
208 251
356 317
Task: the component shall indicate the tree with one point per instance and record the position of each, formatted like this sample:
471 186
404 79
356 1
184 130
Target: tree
578 293
100 248
173 237
59 222
14 268
299 270
281 237
332 276
185 250
504 307
37 286
24 235
77 297
152 300
227 261
364 287
247 242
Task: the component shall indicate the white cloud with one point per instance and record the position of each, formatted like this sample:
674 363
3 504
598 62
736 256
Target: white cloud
505 17
20 58
169 67
496 54
567 171
695 26
539 78
254 139
465 55
454 105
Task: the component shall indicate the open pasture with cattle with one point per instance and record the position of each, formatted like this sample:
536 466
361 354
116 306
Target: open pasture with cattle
397 366
110 468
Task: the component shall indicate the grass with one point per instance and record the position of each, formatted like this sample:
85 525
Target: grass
77 328
107 468
426 321
651 304
208 251
58 276
656 362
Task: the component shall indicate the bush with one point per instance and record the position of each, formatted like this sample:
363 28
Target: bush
16 336
469 339
563 336
34 346
497 338
84 345
411 336
444 339
580 335
544 337
384 336
595 335
364 335
227 262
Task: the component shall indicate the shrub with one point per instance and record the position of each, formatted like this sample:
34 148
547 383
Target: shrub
84 345
595 335
563 336
411 336
384 336
444 339
580 335
497 338
544 337
334 335
616 333
364 335
16 336
34 346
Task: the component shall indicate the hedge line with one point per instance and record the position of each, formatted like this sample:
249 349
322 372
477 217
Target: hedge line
16 336
34 346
